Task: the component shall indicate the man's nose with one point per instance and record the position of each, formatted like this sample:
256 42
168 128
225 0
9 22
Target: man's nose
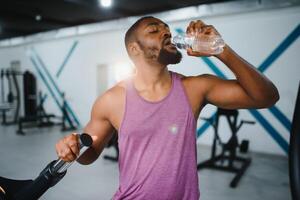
166 34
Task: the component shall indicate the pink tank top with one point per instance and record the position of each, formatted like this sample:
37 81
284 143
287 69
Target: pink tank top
157 143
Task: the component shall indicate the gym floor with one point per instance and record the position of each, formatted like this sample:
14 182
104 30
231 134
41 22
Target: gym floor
23 157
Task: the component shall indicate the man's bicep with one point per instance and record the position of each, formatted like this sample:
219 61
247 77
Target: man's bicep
226 94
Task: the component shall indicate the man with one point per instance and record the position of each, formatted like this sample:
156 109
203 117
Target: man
155 113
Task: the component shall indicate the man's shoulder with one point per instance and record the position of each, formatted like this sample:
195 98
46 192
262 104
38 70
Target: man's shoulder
116 92
111 99
191 80
118 89
198 85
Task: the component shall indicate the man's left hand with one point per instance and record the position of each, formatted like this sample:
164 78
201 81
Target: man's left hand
200 29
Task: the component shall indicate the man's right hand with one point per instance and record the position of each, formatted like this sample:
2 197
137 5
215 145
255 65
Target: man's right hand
67 148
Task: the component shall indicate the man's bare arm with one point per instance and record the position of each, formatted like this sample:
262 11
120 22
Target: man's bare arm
99 127
251 89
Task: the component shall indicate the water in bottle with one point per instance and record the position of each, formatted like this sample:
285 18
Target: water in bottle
210 44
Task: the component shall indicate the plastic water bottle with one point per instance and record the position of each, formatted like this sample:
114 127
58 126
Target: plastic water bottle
211 44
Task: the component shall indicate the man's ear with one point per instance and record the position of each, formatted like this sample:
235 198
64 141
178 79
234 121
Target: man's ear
134 48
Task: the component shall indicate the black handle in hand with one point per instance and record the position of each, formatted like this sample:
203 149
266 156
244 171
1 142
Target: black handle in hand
85 141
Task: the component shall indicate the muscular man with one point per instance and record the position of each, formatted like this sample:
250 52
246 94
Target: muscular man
155 112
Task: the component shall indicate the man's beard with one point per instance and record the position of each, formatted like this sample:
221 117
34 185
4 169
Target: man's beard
164 56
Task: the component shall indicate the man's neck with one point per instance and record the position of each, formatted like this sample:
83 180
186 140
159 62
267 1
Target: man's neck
150 77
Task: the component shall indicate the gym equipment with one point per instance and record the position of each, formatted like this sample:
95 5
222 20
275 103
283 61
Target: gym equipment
50 176
5 108
294 151
13 100
37 118
30 94
227 162
34 112
113 142
40 118
2 85
10 96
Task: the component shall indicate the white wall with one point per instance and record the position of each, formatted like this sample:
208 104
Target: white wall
253 35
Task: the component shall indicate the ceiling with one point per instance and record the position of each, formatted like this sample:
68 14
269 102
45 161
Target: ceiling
25 17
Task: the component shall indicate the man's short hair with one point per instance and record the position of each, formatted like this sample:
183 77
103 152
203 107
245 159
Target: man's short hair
130 35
